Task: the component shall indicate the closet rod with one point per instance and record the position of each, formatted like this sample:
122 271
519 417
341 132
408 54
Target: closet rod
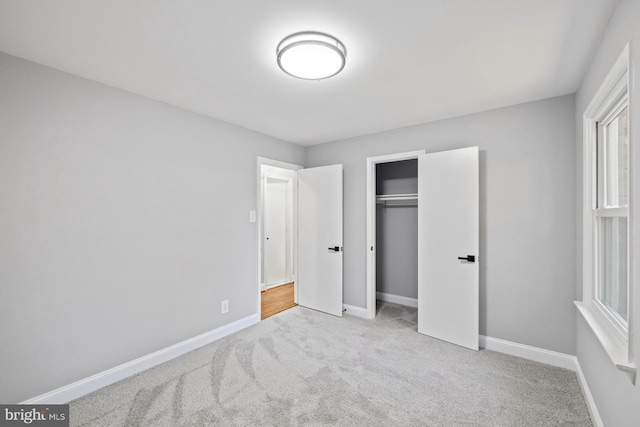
389 197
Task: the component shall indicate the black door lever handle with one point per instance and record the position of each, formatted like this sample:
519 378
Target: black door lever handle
468 258
335 249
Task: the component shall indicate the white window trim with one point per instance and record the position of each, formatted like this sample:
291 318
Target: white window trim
614 89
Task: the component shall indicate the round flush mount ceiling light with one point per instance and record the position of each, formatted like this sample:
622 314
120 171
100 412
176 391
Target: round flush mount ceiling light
311 55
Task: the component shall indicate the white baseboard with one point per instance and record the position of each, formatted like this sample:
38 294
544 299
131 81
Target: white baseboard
588 397
354 311
536 354
397 299
87 385
277 284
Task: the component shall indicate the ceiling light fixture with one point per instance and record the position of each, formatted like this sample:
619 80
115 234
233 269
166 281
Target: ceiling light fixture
311 55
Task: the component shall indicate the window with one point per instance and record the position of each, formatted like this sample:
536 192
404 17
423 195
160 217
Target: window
606 305
611 217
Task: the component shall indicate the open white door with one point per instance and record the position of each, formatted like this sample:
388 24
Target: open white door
448 229
320 239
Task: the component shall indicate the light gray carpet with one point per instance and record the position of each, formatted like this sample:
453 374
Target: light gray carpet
303 367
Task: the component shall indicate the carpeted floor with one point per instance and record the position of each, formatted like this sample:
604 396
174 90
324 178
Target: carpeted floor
302 367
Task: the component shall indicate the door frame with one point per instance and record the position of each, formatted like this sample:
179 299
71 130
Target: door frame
263 161
371 221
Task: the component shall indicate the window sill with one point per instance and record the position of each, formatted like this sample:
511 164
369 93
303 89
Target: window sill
617 351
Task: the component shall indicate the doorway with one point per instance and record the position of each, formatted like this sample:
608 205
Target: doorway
397 233
312 248
391 201
277 222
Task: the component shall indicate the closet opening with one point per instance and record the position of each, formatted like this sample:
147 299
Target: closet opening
392 191
397 233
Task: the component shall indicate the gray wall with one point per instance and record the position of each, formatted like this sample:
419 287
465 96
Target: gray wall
527 213
123 224
616 398
397 230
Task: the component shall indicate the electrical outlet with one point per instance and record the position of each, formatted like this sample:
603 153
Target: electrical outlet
224 307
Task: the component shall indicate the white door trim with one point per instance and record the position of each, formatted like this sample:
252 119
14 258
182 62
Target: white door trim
259 219
371 221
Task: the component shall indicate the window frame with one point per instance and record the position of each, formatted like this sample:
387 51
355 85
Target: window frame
610 99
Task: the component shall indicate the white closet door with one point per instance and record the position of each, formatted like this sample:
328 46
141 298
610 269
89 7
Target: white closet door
275 232
320 239
448 229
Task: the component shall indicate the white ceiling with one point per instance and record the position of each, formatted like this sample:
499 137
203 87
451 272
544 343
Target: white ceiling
408 61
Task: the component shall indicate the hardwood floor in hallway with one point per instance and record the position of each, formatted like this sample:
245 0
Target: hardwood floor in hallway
277 299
